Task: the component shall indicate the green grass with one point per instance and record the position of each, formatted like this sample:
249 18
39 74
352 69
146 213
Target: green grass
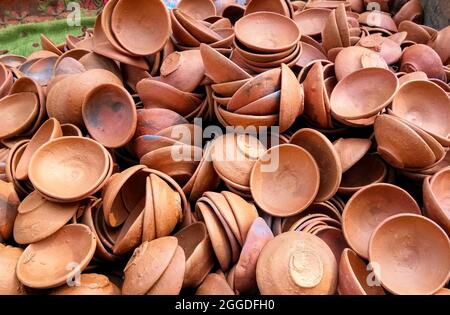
19 39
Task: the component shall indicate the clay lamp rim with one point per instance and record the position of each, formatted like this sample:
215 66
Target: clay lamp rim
258 57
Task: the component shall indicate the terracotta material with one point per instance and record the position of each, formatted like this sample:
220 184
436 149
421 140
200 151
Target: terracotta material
9 257
263 38
195 242
290 194
90 284
109 114
351 150
198 9
435 197
439 43
277 6
415 32
368 208
312 21
388 47
357 96
8 209
142 29
353 276
419 242
422 58
354 58
44 264
77 170
296 263
70 130
214 284
378 19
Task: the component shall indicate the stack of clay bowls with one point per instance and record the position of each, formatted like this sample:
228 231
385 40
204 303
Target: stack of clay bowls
273 42
435 198
191 27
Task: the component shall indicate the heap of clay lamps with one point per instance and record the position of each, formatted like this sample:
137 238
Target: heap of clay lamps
276 147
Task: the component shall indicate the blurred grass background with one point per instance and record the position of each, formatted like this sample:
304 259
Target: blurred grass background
23 39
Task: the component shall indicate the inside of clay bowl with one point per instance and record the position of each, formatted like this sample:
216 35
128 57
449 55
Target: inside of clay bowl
285 180
440 186
368 207
424 104
267 32
142 28
68 168
408 258
110 115
45 264
363 93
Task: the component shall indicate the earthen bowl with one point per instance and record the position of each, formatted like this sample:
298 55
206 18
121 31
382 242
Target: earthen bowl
214 284
198 9
50 262
279 169
421 57
9 257
8 210
296 263
90 284
417 245
351 150
370 206
435 196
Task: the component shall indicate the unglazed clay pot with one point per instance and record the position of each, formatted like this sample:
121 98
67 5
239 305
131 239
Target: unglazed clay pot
351 59
79 169
363 93
351 150
368 207
336 32
388 47
435 197
50 262
90 284
423 58
195 242
19 111
131 22
29 226
109 114
9 256
8 210
198 9
312 21
290 194
354 275
263 38
418 242
439 43
296 263
378 19
156 267
433 120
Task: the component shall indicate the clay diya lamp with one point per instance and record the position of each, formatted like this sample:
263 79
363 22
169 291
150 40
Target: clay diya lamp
75 88
13 159
439 43
44 264
183 70
6 80
327 4
195 242
89 284
296 263
156 94
153 120
308 54
431 120
370 169
214 284
92 214
415 33
378 19
70 130
41 70
133 36
109 114
326 157
227 89
12 61
9 256
50 130
198 9
351 150
29 226
422 58
219 68
356 96
82 157
19 111
245 270
277 6
336 32
396 150
263 39
203 33
353 275
351 59
369 207
293 194
312 21
388 47
8 209
95 61
234 12
323 208
423 244
47 44
67 66
233 158
332 236
435 197
156 268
